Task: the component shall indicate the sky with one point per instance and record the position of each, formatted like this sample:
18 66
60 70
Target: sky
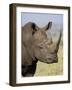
41 19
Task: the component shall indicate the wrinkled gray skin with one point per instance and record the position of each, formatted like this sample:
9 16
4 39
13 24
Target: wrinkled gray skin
36 46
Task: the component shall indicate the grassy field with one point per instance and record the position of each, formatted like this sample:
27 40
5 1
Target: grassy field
44 69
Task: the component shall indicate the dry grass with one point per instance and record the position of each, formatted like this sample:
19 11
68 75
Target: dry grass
44 69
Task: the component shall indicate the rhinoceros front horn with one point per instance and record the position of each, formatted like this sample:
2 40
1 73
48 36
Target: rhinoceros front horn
56 45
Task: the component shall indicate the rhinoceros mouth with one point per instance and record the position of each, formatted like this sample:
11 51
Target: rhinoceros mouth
49 59
52 60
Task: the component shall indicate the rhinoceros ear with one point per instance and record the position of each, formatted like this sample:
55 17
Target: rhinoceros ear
48 26
34 27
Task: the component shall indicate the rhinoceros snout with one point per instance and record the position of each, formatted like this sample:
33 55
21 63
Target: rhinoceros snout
52 59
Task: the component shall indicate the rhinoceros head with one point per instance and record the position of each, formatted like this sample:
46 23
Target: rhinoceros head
45 49
37 46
